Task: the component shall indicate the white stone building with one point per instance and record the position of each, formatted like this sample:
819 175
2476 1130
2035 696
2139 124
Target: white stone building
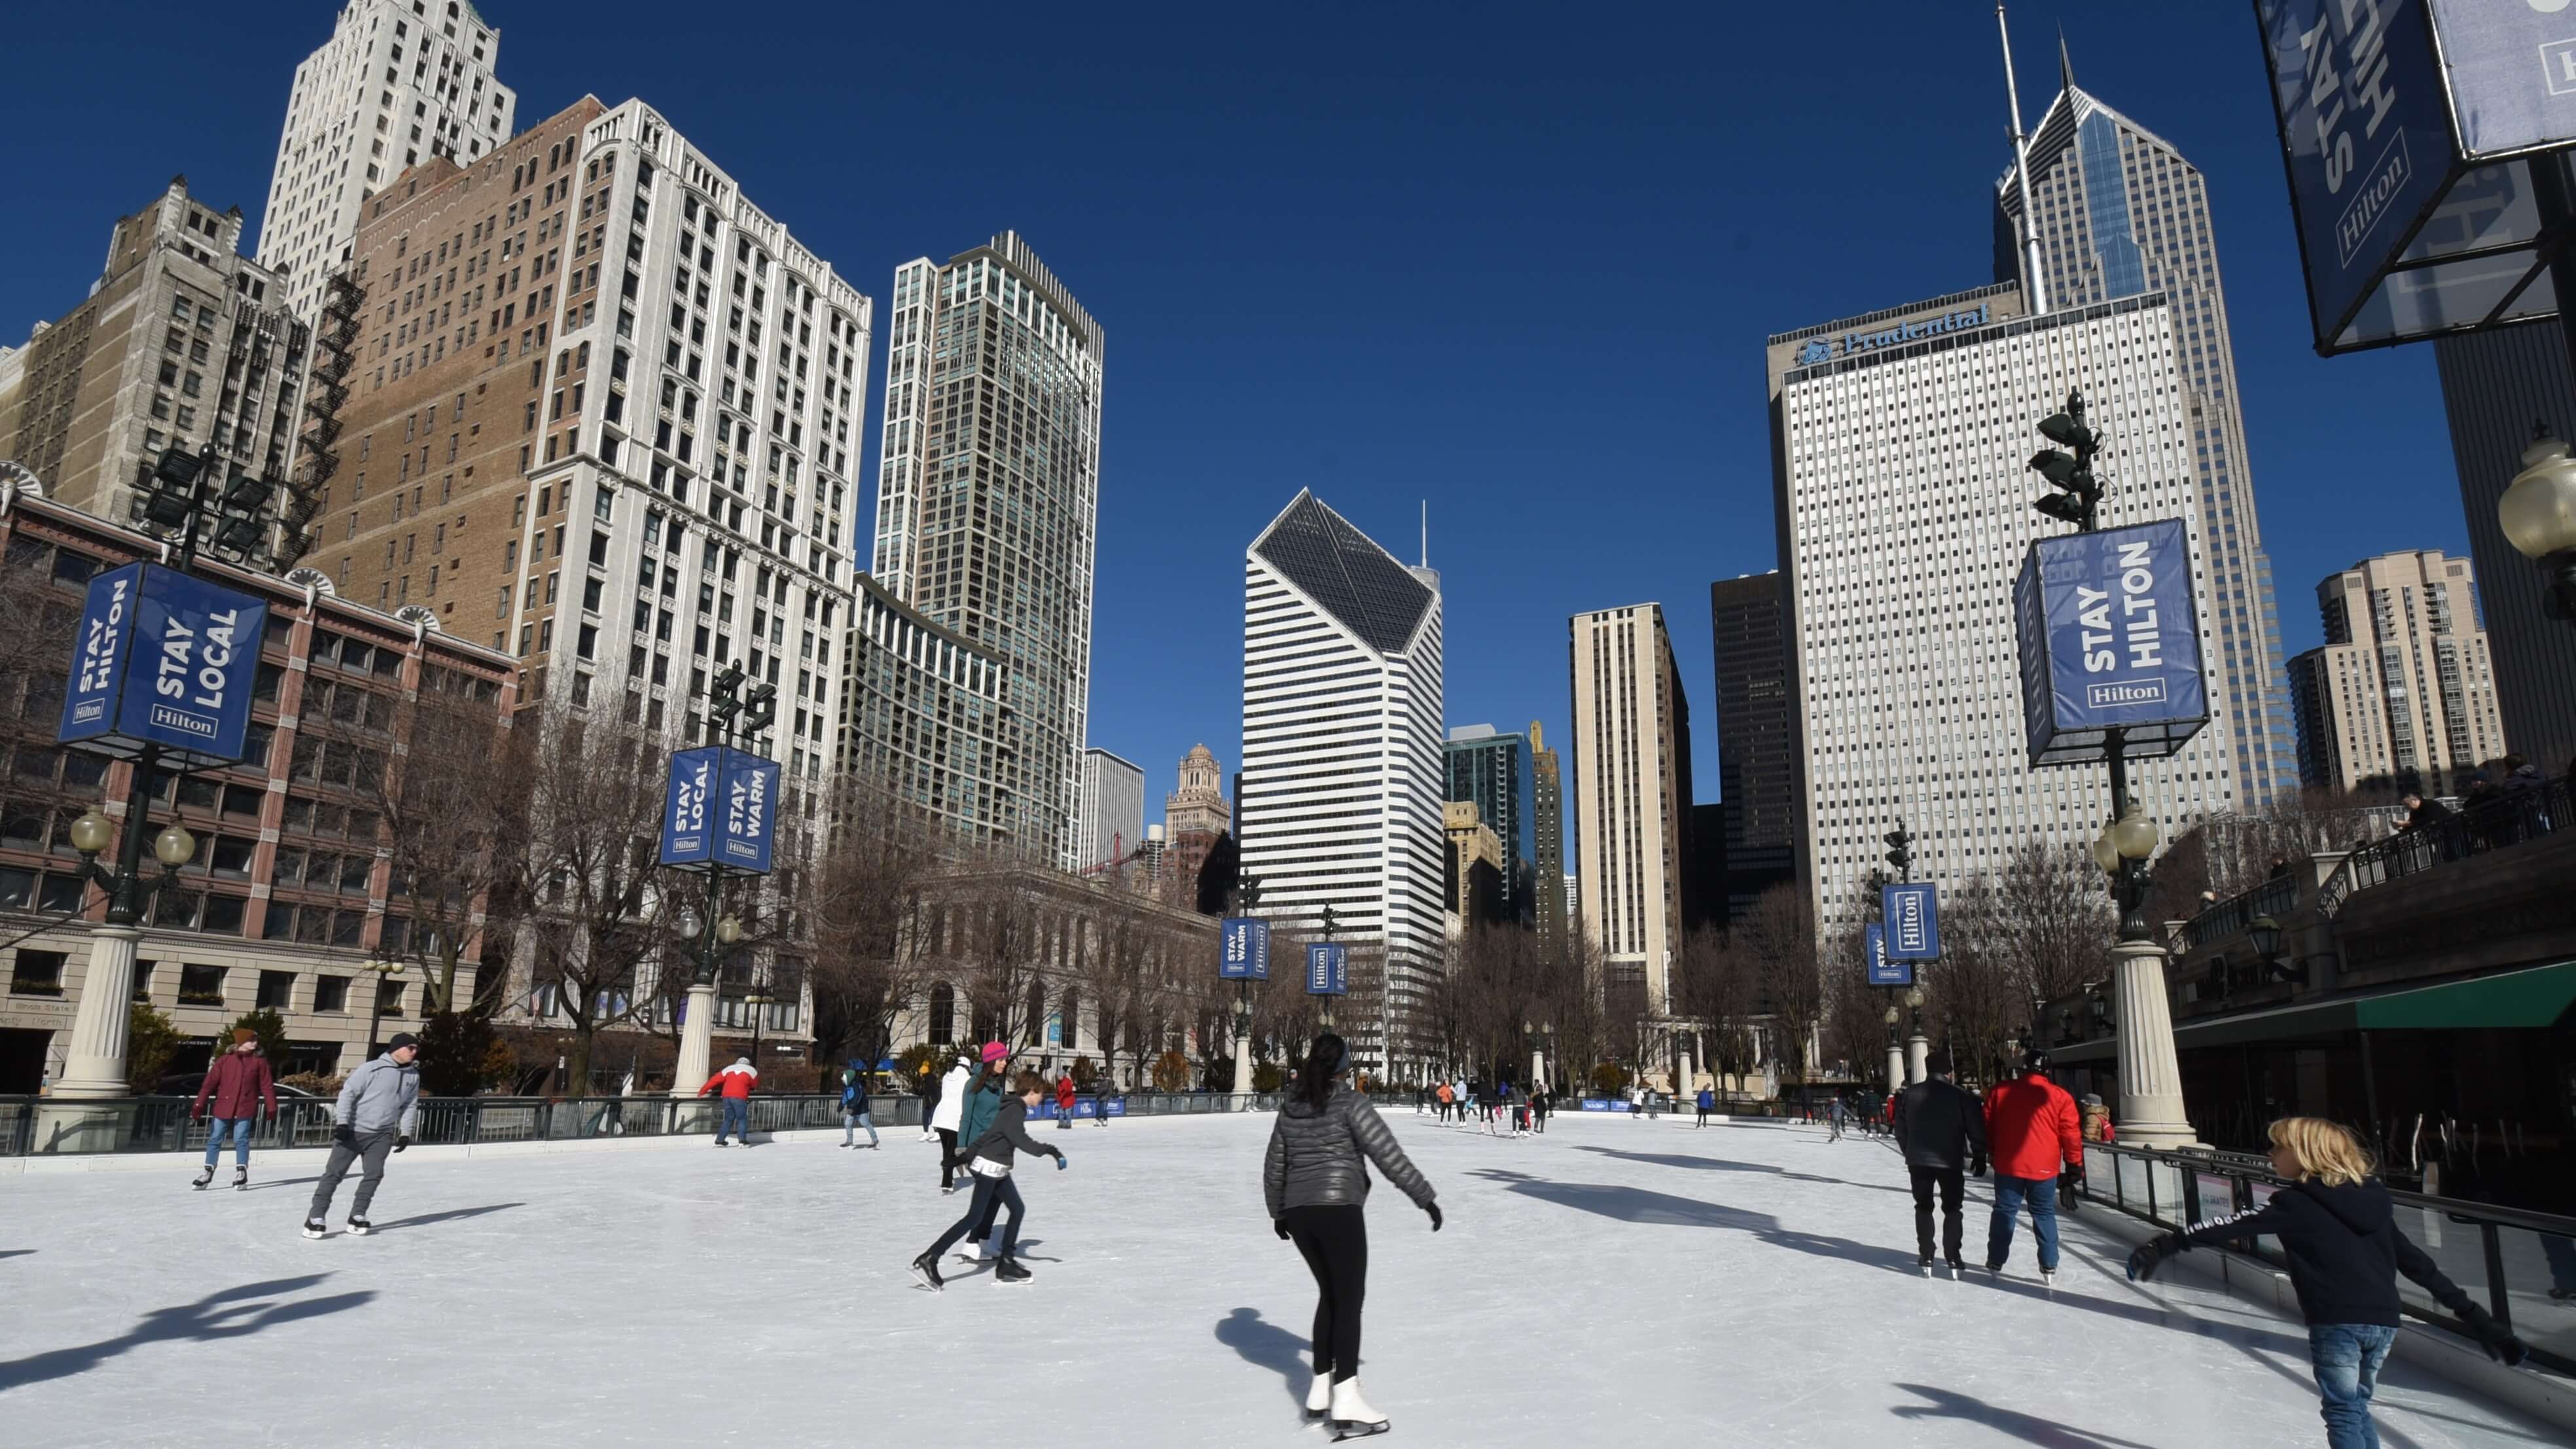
1112 817
398 82
1632 798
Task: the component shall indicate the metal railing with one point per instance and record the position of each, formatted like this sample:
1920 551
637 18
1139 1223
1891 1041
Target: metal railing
37 1126
2509 819
2232 917
2517 1261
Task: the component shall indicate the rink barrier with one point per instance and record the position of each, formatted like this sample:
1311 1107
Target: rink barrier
2511 1256
52 1126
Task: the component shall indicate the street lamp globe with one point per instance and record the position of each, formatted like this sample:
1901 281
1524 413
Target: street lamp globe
174 847
729 930
90 833
2133 835
690 923
2538 511
1893 1016
1914 998
2106 854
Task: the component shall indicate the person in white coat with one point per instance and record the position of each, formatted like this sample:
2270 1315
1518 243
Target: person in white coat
943 1119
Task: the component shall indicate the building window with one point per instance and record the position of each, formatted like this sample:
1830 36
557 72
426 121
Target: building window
201 985
331 993
37 973
276 990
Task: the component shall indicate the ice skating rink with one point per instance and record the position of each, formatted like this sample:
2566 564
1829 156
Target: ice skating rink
1611 1282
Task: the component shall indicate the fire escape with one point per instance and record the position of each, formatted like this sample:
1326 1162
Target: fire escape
326 393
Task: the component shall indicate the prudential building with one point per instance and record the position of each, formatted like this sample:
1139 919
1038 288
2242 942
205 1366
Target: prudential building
1904 509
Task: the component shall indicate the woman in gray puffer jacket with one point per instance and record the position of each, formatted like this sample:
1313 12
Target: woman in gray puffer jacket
1315 1180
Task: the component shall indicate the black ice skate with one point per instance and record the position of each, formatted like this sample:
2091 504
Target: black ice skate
241 1179
315 1227
926 1269
360 1227
1008 1270
204 1177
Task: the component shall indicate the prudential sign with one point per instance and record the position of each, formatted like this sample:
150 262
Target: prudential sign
2110 639
1852 344
164 659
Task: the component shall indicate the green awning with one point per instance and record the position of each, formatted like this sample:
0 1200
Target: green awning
2531 998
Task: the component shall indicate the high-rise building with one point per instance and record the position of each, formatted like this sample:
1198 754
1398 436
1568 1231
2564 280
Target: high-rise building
1758 765
2402 692
1199 804
181 343
921 721
1472 872
1111 823
1632 798
1550 907
1906 514
398 83
630 538
1339 799
988 499
2122 214
2495 384
1493 770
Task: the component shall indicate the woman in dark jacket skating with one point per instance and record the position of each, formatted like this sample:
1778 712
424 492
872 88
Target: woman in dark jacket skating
990 1160
1315 1179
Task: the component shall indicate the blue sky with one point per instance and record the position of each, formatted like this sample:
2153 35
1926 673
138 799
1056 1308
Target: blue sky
1515 260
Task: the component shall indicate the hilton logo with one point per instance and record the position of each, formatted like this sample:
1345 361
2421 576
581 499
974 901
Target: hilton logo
2125 692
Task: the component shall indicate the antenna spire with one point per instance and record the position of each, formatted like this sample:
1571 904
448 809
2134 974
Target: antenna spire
2034 283
1426 533
2065 65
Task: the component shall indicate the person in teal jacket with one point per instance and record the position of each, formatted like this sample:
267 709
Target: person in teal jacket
974 1117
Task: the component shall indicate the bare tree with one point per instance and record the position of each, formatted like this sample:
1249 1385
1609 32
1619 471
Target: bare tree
2053 920
870 941
594 892
454 808
1780 932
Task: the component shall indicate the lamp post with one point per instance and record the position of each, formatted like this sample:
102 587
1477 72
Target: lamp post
1540 1037
2151 1107
734 715
383 971
1248 894
758 1000
2538 513
1895 1049
1918 1047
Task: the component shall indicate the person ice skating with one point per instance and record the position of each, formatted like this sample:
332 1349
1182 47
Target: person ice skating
1314 1179
983 1102
854 1106
927 1088
1941 1130
990 1160
943 1118
1837 1112
239 1087
1447 1095
2097 1120
373 1117
1064 1103
1542 1102
1706 1103
1103 1087
736 1080
2032 1127
2337 1227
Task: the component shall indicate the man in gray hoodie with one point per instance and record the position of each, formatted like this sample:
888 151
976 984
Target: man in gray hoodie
373 1117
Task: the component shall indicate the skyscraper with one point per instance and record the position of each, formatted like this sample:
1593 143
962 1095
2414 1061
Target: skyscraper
398 83
989 494
1632 798
2494 385
2401 692
1549 906
180 343
1112 819
2122 214
1758 764
1339 801
1493 770
1199 804
1906 515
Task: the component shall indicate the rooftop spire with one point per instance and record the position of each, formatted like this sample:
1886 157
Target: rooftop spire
2065 66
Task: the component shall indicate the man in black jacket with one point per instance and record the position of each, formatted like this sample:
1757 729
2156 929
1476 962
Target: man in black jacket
1941 1130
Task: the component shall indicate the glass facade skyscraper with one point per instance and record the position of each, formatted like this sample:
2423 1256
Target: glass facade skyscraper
2122 214
1493 771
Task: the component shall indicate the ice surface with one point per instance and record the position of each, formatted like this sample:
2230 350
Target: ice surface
1612 1282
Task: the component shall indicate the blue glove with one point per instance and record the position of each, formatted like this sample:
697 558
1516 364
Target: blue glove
1060 1163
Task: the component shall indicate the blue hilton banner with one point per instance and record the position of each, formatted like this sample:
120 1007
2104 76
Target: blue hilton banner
747 820
2110 639
688 796
1244 949
1327 969
720 808
1913 916
1883 972
164 659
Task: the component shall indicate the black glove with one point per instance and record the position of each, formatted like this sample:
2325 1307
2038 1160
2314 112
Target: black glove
1976 1167
345 1135
1279 1227
1433 1208
2151 1254
401 1141
2498 1340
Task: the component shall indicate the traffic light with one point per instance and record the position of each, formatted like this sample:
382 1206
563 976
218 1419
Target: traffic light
2072 474
1899 848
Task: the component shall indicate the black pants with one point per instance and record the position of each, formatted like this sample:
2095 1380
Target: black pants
947 1150
991 1195
1951 1181
1334 1242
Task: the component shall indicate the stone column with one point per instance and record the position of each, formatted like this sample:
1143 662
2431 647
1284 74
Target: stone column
95 1065
697 1042
1242 1065
1895 1068
1686 1086
2151 1110
1918 1051
1538 1068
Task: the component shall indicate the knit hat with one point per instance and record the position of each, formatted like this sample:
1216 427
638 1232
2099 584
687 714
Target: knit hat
242 1034
994 1051
402 1039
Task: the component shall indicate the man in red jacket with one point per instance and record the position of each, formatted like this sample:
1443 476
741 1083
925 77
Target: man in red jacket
736 1081
2031 1124
240 1086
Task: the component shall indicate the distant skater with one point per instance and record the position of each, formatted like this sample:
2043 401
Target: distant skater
943 1119
854 1106
1706 1102
239 1086
736 1082
1314 1179
990 1159
1941 1130
1064 1103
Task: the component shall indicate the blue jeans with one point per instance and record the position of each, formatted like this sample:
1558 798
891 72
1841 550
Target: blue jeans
216 1127
737 1120
851 1121
2010 1194
2347 1357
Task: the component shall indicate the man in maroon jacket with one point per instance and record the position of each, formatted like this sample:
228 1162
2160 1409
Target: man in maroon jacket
2031 1126
240 1087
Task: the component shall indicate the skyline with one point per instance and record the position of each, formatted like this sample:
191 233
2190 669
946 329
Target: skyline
1245 209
